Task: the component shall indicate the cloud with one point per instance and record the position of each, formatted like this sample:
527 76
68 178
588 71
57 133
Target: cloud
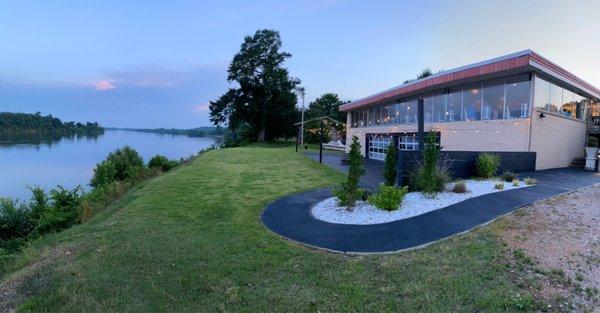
103 85
146 97
201 108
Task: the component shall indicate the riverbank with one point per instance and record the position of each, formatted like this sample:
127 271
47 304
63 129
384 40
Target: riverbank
192 239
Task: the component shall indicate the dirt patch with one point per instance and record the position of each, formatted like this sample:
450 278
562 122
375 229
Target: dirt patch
24 283
555 249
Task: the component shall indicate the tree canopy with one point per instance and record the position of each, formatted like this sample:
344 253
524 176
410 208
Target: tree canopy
37 122
424 73
264 102
327 105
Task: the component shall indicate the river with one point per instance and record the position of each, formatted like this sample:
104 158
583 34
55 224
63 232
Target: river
69 161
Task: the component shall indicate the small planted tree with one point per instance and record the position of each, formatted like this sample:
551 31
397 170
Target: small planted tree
431 174
390 170
348 192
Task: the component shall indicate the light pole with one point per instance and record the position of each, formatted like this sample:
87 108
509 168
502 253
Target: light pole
301 91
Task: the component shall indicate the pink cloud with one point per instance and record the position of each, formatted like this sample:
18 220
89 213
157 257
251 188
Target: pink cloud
201 107
103 85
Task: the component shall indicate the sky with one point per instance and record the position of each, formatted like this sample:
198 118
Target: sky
150 64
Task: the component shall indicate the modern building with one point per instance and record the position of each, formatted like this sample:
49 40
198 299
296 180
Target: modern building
520 103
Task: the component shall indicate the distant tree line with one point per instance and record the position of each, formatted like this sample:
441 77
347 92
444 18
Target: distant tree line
192 132
24 122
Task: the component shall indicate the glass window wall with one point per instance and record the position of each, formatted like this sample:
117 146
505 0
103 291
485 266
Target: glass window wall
454 107
517 96
504 98
493 100
471 102
439 107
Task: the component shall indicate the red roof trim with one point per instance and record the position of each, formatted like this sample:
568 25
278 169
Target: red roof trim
514 61
499 66
552 66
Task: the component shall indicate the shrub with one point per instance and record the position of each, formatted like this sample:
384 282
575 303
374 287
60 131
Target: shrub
515 183
530 181
349 192
162 163
365 194
38 203
460 187
63 211
592 142
14 220
499 186
119 165
487 165
508 176
388 198
431 175
104 173
389 170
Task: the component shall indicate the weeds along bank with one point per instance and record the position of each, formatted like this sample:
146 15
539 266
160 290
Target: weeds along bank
60 208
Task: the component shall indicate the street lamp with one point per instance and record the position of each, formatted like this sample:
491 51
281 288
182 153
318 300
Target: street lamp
301 92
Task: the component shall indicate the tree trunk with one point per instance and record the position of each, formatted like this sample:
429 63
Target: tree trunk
261 135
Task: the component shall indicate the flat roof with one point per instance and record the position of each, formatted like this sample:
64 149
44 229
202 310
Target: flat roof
514 63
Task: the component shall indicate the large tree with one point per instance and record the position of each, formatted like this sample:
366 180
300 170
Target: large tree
264 101
327 105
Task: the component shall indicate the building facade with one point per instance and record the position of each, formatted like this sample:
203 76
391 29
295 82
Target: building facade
515 103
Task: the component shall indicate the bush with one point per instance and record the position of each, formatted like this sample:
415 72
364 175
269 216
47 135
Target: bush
460 187
592 142
365 194
389 170
119 165
487 165
38 203
508 176
515 183
499 186
62 213
162 163
431 175
349 192
14 220
388 198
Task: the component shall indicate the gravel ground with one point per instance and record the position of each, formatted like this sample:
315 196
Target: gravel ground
415 203
562 237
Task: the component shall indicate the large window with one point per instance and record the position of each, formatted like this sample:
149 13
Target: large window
454 108
374 115
517 96
408 112
428 109
553 98
568 107
503 98
493 99
541 96
471 102
581 106
378 145
385 114
439 107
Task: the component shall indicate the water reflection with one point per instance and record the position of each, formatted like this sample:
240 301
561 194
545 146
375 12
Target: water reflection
48 160
37 139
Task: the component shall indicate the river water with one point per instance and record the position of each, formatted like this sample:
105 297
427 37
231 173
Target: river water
69 161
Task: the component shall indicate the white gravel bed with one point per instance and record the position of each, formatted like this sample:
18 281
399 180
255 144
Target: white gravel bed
415 203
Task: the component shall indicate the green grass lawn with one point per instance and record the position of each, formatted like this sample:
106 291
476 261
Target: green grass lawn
191 241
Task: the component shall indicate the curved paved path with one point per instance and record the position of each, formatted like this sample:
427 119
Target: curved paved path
290 216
